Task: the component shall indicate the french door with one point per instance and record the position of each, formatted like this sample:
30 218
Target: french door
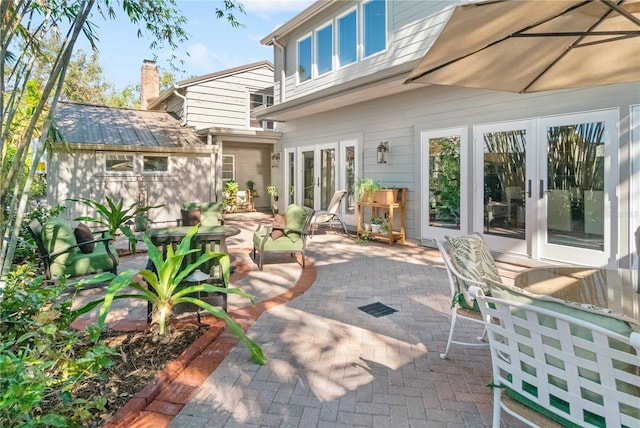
444 197
319 170
544 187
577 184
317 175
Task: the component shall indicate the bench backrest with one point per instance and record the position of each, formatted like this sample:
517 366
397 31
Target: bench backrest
547 356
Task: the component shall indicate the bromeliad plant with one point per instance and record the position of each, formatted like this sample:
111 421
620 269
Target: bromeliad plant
114 216
166 290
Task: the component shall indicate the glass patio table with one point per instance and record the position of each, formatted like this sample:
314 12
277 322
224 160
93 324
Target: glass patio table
608 288
212 236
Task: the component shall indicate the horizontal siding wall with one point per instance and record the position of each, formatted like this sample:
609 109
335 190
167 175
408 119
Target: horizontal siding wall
224 102
64 181
399 119
253 162
413 26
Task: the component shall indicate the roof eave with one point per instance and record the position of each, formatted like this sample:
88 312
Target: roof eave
297 20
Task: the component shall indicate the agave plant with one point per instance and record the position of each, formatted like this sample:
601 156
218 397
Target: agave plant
165 289
114 216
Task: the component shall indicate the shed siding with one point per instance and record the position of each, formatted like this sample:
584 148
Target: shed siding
400 118
169 190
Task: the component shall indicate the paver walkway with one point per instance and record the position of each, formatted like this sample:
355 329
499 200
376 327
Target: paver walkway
332 365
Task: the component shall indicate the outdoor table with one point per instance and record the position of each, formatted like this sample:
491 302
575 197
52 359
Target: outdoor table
608 288
209 238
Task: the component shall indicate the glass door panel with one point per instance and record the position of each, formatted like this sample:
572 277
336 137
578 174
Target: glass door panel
442 175
502 151
290 177
348 160
577 187
327 176
308 177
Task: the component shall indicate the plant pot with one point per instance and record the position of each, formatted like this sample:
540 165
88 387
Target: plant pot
142 224
375 228
385 196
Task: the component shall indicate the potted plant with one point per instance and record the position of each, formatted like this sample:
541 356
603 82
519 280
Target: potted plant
230 195
376 224
273 191
367 188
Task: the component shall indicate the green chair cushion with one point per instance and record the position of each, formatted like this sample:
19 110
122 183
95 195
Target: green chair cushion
210 212
295 217
280 244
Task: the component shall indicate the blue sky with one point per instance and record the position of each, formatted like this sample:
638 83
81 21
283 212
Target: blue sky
213 44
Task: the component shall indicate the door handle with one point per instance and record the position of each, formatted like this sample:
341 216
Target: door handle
528 188
542 190
318 181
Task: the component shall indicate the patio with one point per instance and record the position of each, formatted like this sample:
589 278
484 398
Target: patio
329 363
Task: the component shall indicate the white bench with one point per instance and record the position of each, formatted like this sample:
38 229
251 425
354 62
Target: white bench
573 365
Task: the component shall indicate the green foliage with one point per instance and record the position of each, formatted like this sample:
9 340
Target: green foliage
114 216
230 195
40 371
444 180
166 288
377 220
367 187
272 190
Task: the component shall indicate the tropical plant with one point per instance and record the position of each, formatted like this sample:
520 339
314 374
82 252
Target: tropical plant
272 190
114 216
165 288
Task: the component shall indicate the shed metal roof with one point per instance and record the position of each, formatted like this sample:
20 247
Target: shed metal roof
119 127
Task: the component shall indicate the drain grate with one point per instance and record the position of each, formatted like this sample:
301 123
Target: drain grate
377 309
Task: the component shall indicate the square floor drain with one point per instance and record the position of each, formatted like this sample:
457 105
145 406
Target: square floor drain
377 309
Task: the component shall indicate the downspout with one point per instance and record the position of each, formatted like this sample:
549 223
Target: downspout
184 104
282 72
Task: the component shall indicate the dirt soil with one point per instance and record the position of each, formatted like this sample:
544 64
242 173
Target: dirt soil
138 362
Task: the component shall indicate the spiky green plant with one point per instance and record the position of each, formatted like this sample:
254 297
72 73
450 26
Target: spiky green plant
166 289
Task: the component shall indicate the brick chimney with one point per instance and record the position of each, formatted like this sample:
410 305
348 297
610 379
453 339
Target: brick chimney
149 83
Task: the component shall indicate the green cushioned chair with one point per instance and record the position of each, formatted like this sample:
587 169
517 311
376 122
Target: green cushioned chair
294 238
210 212
61 255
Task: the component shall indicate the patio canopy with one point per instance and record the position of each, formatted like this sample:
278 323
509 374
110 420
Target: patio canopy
531 46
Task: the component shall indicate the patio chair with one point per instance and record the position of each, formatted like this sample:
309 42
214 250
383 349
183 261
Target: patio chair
560 362
61 254
330 216
291 239
468 262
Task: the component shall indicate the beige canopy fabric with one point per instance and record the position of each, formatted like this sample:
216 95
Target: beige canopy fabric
531 46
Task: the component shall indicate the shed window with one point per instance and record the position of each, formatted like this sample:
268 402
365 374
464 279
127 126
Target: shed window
155 164
122 164
375 27
228 167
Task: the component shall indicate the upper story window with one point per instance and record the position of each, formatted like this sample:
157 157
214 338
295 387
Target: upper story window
324 49
304 59
257 101
374 24
347 38
360 32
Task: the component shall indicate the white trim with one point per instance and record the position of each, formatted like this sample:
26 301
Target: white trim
634 184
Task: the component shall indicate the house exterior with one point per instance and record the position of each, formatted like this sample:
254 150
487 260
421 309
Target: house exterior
221 108
202 131
340 95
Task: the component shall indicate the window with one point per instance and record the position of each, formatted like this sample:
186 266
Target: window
374 27
155 164
228 167
304 59
119 164
347 39
324 49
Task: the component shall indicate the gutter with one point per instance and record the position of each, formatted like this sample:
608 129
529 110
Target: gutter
184 103
282 71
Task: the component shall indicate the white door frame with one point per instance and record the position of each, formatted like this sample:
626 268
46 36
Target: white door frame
428 232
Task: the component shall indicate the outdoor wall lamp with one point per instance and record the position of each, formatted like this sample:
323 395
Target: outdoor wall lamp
383 148
275 160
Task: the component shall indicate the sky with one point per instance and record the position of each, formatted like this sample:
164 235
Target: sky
213 44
